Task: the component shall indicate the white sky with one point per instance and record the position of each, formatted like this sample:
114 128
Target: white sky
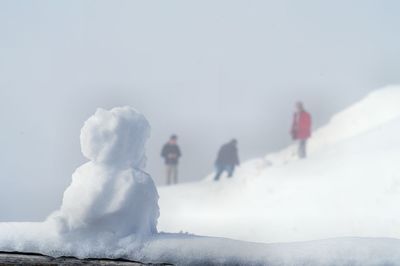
205 70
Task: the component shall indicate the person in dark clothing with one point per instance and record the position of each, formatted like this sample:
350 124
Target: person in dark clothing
171 154
227 159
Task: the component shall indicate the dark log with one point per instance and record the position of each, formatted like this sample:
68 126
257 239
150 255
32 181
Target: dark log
20 258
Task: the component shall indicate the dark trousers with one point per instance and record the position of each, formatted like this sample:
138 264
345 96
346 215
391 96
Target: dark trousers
302 149
222 168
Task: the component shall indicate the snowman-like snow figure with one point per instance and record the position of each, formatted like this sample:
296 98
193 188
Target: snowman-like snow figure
111 193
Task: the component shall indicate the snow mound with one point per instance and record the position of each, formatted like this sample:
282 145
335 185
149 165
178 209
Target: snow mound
377 109
110 197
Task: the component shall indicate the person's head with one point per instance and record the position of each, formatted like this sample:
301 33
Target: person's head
233 142
299 106
173 139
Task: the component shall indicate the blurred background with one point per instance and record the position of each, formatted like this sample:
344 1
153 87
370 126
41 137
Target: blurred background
206 70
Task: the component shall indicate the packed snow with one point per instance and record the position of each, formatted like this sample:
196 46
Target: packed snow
342 200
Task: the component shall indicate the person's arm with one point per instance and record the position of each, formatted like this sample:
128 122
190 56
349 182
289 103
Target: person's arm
293 130
178 151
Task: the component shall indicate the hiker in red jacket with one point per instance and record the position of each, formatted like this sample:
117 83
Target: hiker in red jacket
301 129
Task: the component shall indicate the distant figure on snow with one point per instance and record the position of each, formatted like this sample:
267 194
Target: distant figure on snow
301 129
171 153
227 159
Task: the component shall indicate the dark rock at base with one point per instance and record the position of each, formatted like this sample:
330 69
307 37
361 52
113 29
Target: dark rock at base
20 258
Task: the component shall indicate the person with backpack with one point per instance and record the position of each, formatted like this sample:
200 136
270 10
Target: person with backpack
227 159
171 154
301 129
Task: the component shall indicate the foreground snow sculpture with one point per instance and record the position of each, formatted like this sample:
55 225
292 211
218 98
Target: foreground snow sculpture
111 193
110 204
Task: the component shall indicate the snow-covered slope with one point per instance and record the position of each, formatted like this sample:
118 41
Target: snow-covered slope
349 185
375 110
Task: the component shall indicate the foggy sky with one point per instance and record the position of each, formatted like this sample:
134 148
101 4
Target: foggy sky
207 71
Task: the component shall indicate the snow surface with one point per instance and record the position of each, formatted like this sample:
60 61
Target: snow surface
192 250
349 186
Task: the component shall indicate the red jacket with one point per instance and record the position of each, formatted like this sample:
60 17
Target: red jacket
301 128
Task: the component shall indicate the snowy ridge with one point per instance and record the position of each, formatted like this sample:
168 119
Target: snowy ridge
376 109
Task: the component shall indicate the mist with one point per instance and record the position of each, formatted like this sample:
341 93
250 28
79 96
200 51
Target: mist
207 71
